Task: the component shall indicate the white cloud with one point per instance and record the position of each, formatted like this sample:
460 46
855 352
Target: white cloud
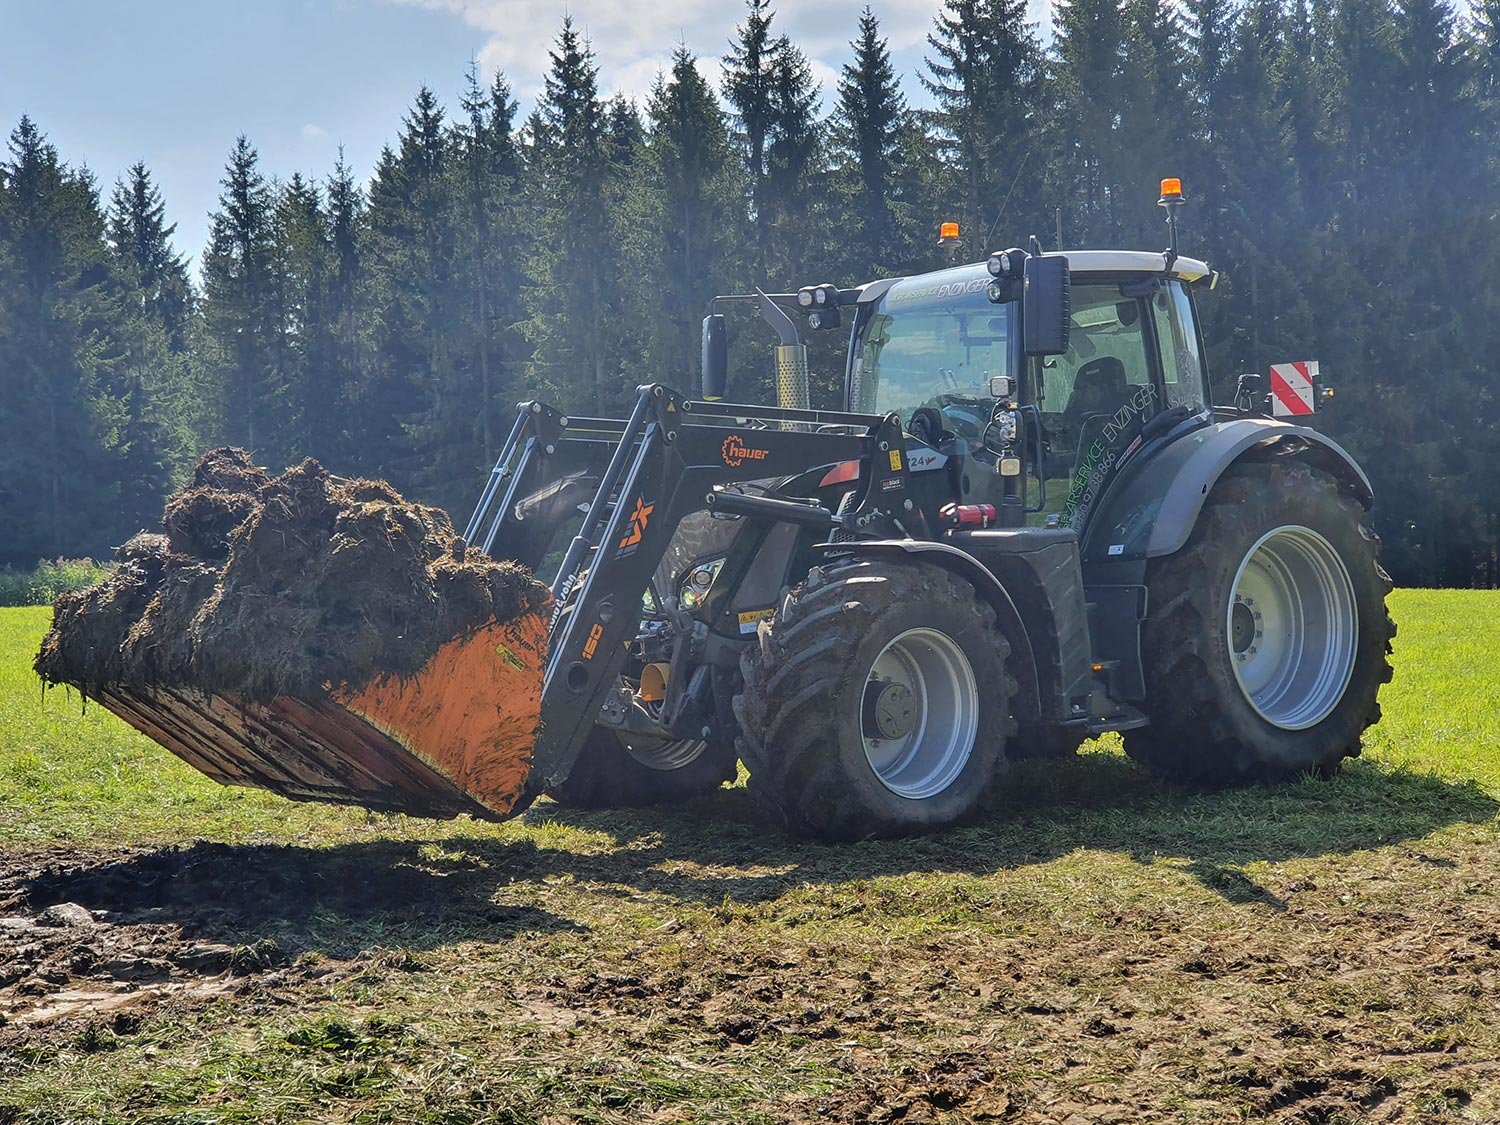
311 132
632 40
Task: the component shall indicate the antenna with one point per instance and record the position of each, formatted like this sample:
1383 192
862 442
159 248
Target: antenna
1000 214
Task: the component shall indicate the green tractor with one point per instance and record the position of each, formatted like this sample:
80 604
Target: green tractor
1028 525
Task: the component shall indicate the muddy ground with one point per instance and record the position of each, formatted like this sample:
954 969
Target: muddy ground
1314 999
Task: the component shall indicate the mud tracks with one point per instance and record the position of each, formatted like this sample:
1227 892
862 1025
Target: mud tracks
85 934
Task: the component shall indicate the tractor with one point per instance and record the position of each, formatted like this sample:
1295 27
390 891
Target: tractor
1028 525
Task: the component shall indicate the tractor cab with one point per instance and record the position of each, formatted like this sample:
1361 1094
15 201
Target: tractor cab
953 362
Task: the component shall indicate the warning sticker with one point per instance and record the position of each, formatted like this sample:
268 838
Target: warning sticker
895 460
1292 388
750 619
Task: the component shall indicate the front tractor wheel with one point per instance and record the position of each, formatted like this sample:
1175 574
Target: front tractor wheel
876 703
1267 637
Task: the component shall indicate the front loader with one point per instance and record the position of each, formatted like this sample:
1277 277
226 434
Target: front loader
1028 525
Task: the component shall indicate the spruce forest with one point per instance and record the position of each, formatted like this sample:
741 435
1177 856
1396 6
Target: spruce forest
1340 158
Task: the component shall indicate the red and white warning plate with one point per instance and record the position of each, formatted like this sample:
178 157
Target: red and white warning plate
1292 388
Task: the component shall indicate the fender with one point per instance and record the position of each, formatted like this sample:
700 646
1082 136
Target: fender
1152 508
967 567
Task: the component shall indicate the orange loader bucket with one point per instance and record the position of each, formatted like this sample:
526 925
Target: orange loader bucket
456 737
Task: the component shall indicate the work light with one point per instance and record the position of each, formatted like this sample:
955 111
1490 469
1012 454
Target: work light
1006 263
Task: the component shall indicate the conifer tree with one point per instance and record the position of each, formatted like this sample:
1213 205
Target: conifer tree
345 313
142 239
1210 33
750 89
1094 75
169 410
1158 44
1253 210
985 76
623 132
311 412
240 323
871 113
573 267
922 185
407 267
491 255
1297 68
1361 77
74 425
680 217
794 171
1486 45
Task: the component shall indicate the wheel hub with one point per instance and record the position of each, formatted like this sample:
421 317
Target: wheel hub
1241 627
1292 627
890 709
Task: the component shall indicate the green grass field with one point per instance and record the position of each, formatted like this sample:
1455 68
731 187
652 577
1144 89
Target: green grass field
1103 949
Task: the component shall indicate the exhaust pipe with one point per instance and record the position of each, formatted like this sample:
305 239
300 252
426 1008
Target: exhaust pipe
791 377
791 359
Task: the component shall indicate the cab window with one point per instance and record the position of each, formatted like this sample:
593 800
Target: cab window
936 346
1181 362
1093 400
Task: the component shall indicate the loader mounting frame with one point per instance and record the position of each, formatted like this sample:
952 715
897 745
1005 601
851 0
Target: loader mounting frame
673 457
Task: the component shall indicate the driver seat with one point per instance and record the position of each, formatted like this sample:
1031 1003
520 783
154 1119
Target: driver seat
1098 388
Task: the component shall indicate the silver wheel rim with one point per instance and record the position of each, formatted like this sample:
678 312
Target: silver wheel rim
1292 627
919 713
660 754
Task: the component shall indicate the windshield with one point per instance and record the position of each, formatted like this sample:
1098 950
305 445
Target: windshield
933 341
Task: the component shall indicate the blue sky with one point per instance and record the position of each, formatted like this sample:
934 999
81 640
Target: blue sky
173 82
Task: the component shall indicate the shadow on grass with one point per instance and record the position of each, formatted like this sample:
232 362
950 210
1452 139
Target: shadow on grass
394 893
424 894
1100 801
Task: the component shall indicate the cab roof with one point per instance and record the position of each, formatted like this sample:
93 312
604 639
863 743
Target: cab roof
957 281
1128 261
973 277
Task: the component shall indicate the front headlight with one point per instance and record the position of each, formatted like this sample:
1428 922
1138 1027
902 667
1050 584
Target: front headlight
695 586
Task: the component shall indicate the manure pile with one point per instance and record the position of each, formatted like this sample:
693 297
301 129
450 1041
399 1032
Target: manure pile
288 585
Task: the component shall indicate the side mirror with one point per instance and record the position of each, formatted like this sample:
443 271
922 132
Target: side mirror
1047 306
715 357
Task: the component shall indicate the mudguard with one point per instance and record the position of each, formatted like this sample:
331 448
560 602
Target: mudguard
967 567
1152 507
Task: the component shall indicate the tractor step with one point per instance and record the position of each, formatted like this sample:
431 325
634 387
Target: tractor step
1128 718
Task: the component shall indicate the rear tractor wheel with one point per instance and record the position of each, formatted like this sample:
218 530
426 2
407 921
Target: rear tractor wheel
1267 637
876 702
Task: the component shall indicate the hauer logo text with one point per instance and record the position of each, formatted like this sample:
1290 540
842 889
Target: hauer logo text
736 452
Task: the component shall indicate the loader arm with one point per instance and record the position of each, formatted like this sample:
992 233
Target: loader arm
671 458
